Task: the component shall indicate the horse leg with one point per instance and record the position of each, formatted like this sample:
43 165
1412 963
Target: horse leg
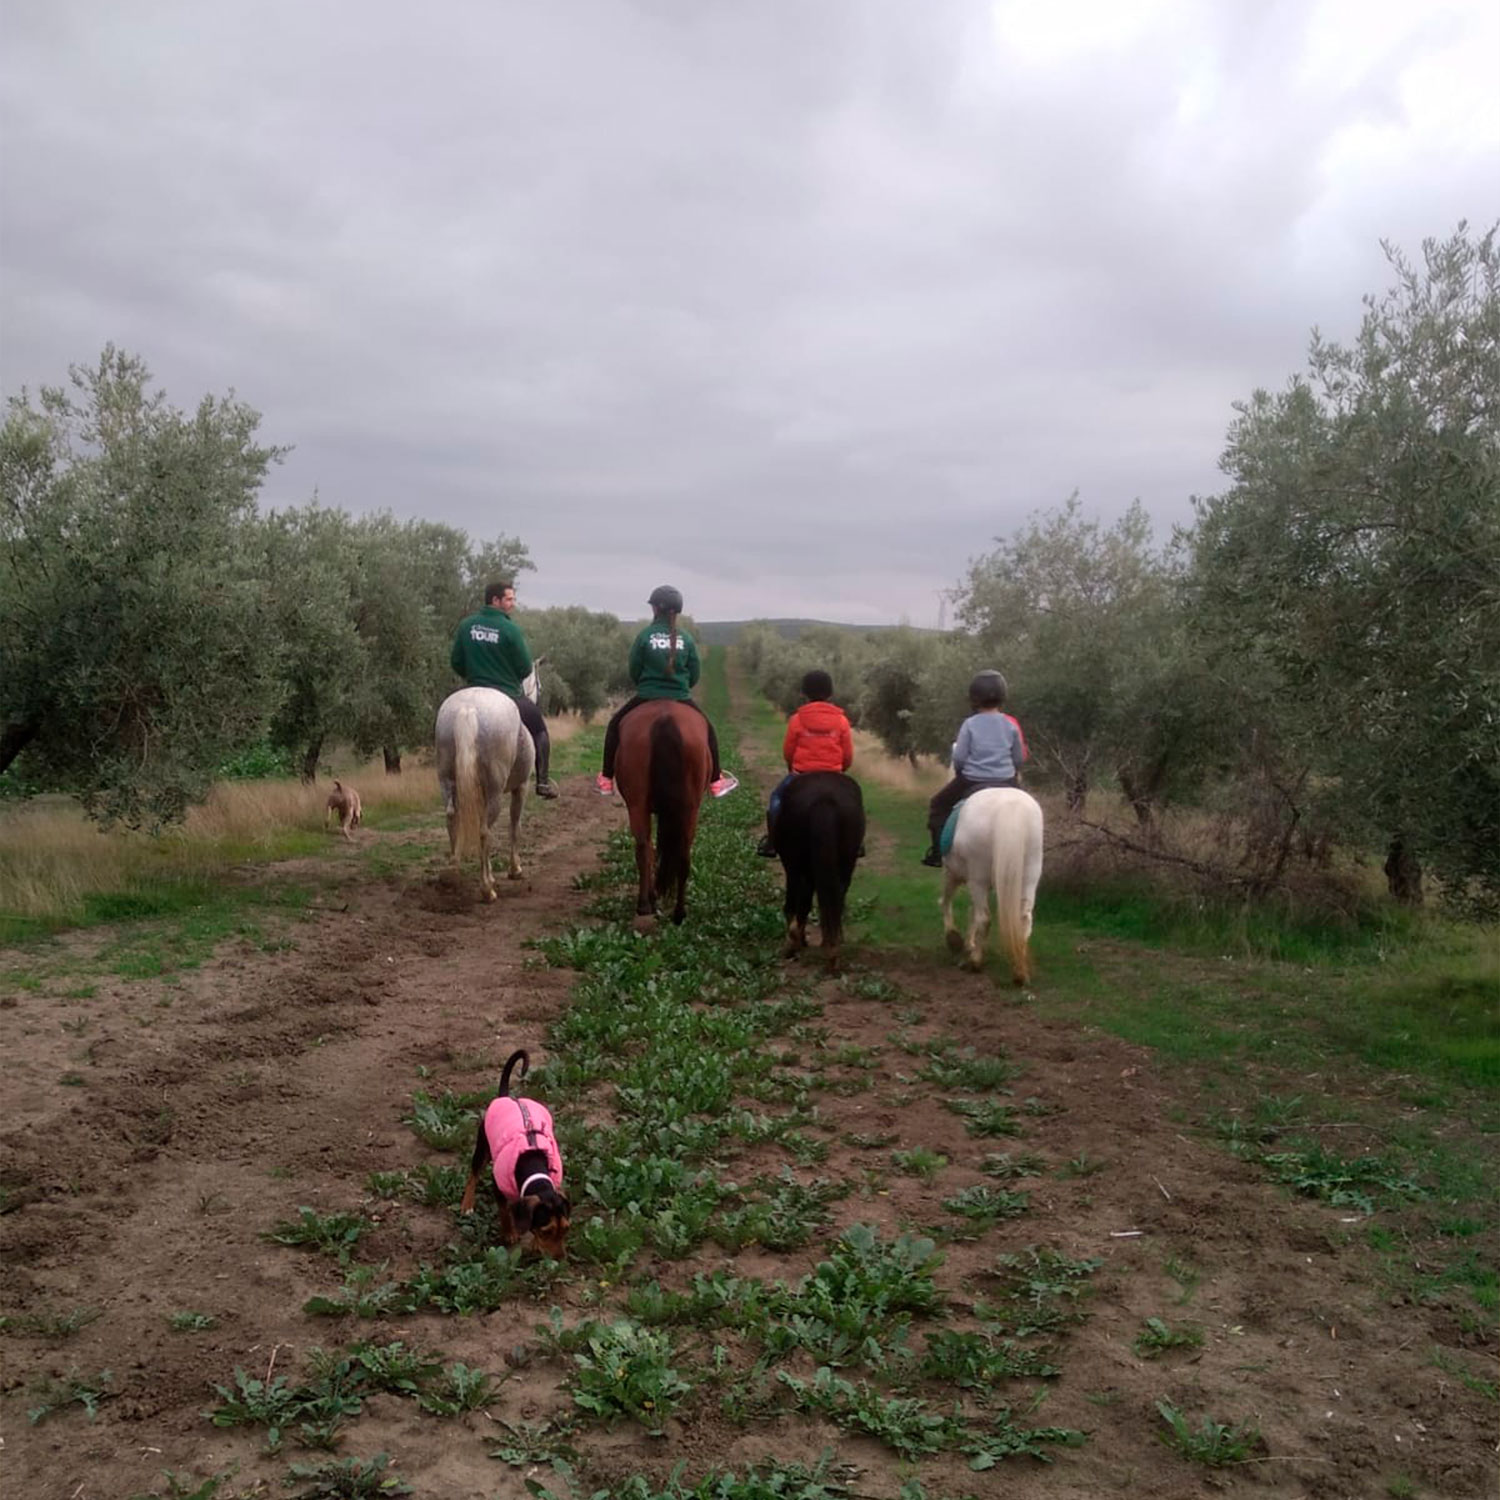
685 864
645 871
450 811
797 905
979 921
517 799
951 936
486 873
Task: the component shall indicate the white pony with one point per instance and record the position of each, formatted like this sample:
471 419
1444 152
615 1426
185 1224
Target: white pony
998 842
483 752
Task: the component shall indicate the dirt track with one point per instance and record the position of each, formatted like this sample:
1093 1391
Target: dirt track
208 1110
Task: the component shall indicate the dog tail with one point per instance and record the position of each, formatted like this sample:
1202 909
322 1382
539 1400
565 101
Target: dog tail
518 1056
468 793
338 785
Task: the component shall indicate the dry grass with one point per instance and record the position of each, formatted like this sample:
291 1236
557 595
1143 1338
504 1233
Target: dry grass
564 726
52 856
1194 852
872 763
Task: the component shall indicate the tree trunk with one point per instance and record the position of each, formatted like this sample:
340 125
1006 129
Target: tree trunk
392 755
1140 799
310 759
1403 873
14 738
1076 785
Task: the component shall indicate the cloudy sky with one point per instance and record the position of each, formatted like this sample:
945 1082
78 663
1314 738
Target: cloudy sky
795 303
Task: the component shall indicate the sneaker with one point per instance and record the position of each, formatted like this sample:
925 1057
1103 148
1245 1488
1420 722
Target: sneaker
546 789
933 859
766 849
603 785
724 785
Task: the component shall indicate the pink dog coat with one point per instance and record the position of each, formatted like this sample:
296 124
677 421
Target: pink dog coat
515 1125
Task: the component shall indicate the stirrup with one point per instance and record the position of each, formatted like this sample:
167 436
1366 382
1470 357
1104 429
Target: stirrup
604 785
724 785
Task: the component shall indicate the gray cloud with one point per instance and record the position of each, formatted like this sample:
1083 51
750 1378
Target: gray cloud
797 304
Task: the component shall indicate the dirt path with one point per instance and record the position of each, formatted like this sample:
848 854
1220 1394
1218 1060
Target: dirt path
210 1110
204 1112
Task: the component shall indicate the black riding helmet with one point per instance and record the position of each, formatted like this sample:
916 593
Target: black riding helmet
987 690
666 600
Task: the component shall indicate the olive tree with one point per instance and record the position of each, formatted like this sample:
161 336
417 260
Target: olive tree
1355 558
587 655
1086 622
134 619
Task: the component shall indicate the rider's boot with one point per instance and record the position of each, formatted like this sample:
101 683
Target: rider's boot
545 786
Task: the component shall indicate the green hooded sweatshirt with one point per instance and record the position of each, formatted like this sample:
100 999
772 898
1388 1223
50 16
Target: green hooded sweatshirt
649 659
490 651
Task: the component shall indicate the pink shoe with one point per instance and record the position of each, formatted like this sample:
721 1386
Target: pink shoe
724 785
604 786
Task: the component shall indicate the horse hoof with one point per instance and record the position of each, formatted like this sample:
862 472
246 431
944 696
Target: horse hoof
790 949
490 894
644 922
514 875
954 939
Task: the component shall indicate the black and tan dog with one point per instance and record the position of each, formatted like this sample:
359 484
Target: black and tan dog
515 1137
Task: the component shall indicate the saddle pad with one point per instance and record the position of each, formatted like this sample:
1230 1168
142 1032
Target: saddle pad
945 842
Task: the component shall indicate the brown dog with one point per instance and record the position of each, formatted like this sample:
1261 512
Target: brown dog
344 801
515 1140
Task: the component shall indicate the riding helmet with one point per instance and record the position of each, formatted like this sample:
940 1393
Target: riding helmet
666 600
987 690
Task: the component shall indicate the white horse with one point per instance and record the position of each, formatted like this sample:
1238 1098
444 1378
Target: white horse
483 753
998 842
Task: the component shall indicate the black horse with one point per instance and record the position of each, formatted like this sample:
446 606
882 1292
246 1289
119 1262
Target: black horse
819 831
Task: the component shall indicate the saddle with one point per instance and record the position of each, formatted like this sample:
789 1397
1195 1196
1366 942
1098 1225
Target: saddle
945 839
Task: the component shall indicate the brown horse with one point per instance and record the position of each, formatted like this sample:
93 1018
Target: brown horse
662 770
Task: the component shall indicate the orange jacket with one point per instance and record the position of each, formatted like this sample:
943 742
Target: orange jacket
818 739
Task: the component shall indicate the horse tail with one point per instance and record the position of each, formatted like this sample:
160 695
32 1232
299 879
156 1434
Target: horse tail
828 883
668 799
1015 865
468 792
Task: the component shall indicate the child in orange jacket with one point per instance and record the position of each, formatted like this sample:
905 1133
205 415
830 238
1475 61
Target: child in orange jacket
818 738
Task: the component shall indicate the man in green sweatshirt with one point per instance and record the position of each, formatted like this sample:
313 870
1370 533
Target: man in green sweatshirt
490 651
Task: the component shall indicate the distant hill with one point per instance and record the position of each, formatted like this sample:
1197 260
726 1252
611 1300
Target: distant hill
727 632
